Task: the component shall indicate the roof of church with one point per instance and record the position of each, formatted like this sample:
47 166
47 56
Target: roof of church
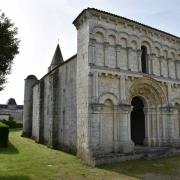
57 58
64 62
126 19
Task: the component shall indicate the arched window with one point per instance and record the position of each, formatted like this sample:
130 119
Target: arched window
144 59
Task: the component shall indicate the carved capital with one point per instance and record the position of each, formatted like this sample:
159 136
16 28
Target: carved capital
92 41
106 44
169 59
97 107
118 47
139 52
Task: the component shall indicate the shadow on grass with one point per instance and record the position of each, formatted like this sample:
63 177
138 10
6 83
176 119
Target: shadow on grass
14 178
114 167
11 149
134 168
160 169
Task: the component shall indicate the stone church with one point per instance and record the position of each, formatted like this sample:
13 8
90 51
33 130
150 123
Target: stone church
119 92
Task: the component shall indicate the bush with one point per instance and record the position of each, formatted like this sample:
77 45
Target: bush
4 132
12 124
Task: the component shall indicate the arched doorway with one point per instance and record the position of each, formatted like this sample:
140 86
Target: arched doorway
137 121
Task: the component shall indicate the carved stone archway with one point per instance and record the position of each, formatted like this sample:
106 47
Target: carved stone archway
153 97
150 89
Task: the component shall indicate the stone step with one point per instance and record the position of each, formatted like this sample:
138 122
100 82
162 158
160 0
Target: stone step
139 153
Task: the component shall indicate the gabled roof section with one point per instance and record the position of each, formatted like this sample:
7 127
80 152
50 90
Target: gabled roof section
50 70
123 18
57 58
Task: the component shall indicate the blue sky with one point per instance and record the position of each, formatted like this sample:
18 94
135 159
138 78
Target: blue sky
42 22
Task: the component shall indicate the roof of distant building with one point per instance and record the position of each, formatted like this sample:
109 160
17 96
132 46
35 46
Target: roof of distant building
11 101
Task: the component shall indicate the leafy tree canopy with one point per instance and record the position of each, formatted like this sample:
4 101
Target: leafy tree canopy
9 45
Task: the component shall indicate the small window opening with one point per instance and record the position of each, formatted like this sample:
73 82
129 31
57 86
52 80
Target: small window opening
144 59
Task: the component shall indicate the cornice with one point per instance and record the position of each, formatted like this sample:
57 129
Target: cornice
116 19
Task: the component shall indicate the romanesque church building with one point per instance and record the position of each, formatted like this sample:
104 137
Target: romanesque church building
119 92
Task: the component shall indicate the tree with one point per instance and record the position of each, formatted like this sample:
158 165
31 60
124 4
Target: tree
9 45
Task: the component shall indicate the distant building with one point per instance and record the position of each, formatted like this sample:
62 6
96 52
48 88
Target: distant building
11 110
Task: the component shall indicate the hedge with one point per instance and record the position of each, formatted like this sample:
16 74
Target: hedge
4 132
12 124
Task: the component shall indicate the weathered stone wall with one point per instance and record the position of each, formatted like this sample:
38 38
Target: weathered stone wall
67 98
16 114
115 66
83 55
118 45
46 110
35 116
85 104
30 81
54 108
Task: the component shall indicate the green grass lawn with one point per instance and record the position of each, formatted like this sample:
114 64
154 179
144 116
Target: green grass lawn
26 160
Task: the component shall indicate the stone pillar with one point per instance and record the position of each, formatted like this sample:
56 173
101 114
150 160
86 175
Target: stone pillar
176 69
170 124
139 53
154 130
147 140
158 127
149 64
116 128
122 88
125 143
173 135
118 56
129 49
169 92
151 59
95 86
164 125
161 65
91 58
28 105
106 53
168 69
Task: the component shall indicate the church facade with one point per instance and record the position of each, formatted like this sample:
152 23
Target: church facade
121 90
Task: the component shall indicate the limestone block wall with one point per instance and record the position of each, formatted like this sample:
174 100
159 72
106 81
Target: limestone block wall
67 128
83 56
115 46
54 108
107 77
116 43
108 88
109 116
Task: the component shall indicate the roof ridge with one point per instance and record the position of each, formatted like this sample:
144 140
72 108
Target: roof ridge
127 19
